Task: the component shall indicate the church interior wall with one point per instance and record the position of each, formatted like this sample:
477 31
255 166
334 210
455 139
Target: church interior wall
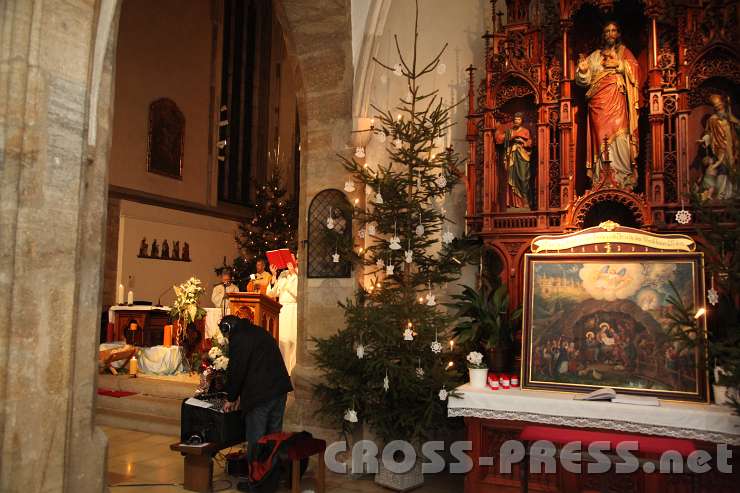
210 240
164 50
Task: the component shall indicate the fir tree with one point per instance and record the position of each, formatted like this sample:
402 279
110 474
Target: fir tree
391 361
272 226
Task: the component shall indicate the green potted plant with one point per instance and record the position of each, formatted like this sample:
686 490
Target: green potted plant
486 323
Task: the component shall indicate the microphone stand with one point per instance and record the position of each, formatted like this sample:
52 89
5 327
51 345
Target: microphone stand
159 298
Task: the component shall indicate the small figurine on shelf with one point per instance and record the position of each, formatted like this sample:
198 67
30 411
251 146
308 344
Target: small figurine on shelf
185 252
155 249
144 248
165 250
176 250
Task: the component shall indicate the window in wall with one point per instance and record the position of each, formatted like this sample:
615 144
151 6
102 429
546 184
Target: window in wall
245 94
323 242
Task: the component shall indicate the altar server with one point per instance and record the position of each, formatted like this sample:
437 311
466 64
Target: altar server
260 280
284 288
226 286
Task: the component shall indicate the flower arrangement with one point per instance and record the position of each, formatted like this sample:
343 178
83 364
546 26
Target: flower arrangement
185 307
475 360
213 367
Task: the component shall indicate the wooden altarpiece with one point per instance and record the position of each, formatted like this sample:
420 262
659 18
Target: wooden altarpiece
686 50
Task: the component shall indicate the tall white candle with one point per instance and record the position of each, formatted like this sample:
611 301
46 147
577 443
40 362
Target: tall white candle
119 295
130 297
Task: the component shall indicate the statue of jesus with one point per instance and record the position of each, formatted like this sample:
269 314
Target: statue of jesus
610 75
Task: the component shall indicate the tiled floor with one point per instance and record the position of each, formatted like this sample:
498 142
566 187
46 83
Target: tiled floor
145 460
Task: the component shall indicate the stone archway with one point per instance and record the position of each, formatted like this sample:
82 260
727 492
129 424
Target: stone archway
56 73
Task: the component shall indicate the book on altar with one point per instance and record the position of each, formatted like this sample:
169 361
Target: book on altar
609 394
280 258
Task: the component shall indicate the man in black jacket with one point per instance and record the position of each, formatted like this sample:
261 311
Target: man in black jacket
257 381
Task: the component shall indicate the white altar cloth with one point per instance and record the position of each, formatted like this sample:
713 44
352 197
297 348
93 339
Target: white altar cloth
705 422
138 308
213 317
160 360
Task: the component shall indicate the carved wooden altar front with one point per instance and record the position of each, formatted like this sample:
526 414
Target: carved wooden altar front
686 50
259 309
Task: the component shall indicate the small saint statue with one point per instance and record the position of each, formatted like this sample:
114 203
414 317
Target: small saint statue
721 140
176 250
186 252
165 250
517 145
143 248
155 249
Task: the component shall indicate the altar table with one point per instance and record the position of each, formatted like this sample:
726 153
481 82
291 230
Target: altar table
493 417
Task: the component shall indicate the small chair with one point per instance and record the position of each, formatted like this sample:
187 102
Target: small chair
304 449
560 436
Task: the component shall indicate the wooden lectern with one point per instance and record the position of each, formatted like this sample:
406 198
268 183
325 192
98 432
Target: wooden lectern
260 309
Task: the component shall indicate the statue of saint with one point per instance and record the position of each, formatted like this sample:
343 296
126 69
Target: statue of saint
517 144
165 250
610 75
176 250
155 249
721 140
143 248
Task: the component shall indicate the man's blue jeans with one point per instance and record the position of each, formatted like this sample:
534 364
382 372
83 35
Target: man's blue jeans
264 419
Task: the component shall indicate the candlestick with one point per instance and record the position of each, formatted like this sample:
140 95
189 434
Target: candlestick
119 295
133 366
130 297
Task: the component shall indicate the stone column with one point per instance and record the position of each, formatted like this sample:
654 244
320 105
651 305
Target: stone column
55 79
320 38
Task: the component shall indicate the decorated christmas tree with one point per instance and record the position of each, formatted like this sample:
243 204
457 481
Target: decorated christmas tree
392 365
272 226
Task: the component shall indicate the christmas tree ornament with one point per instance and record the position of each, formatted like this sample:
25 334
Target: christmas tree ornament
360 351
361 233
360 152
436 346
431 299
381 137
441 181
420 372
408 334
398 70
335 257
330 221
419 230
380 263
378 198
443 394
395 243
441 68
389 269
371 229
386 382
712 296
397 143
350 415
683 216
447 237
408 256
349 186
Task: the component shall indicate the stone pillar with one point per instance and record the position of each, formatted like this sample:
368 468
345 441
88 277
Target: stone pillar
56 78
320 38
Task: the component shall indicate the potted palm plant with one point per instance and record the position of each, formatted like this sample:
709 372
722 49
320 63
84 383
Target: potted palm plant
486 323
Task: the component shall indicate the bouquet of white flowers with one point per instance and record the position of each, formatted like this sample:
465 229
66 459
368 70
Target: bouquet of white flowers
475 360
186 307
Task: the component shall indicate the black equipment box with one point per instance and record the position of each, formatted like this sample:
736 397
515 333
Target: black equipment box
211 424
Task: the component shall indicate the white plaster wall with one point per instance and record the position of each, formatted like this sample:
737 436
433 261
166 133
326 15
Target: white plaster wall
210 240
461 25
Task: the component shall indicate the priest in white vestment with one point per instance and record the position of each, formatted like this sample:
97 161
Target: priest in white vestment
284 288
220 290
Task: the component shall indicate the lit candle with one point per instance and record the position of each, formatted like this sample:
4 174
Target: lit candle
119 295
452 345
133 366
130 297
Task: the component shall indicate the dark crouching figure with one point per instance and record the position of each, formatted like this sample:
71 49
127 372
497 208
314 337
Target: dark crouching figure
257 381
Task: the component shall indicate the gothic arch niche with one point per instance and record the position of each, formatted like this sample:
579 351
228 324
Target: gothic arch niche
620 206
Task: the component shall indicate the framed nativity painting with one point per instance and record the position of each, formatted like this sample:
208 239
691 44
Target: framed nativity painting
597 313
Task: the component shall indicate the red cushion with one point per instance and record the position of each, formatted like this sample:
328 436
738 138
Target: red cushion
306 448
645 443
